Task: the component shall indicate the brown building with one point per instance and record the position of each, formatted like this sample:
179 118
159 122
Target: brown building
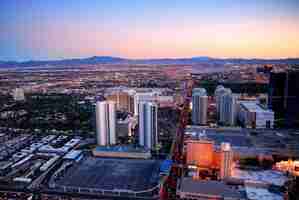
123 100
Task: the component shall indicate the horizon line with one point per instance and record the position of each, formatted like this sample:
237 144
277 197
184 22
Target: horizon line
145 58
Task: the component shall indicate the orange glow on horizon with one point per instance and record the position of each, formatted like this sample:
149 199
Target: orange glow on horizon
250 40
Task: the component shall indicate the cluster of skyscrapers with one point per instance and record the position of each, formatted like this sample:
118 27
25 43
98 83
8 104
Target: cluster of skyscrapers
230 108
146 112
225 106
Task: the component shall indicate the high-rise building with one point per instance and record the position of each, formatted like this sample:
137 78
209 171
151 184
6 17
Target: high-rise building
220 90
291 98
18 94
226 160
106 122
225 106
124 101
199 106
284 96
142 97
148 132
227 109
276 92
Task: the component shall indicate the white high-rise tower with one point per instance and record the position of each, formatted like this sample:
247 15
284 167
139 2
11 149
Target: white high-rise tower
225 105
227 109
142 97
106 122
220 90
148 132
199 106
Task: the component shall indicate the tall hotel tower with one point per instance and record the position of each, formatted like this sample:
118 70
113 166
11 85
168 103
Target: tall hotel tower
142 97
199 106
225 106
220 90
105 123
148 132
226 160
227 109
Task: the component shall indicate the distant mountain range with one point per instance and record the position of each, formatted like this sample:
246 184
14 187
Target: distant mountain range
163 61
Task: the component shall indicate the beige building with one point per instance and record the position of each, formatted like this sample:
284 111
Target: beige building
123 100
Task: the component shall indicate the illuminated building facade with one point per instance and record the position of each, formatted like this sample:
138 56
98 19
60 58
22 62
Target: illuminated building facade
226 160
201 155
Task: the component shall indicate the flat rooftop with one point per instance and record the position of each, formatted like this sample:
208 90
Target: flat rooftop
250 142
253 107
237 138
121 152
262 176
261 194
215 189
111 174
127 149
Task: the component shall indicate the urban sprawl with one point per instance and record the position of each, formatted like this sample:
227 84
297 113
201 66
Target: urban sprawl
105 131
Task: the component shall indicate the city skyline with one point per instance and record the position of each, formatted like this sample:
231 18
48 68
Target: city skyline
47 30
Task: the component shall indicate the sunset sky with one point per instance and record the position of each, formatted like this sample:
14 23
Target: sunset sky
56 29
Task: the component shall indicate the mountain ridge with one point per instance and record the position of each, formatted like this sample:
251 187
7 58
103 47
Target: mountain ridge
119 60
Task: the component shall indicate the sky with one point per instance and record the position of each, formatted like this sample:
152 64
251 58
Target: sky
57 29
